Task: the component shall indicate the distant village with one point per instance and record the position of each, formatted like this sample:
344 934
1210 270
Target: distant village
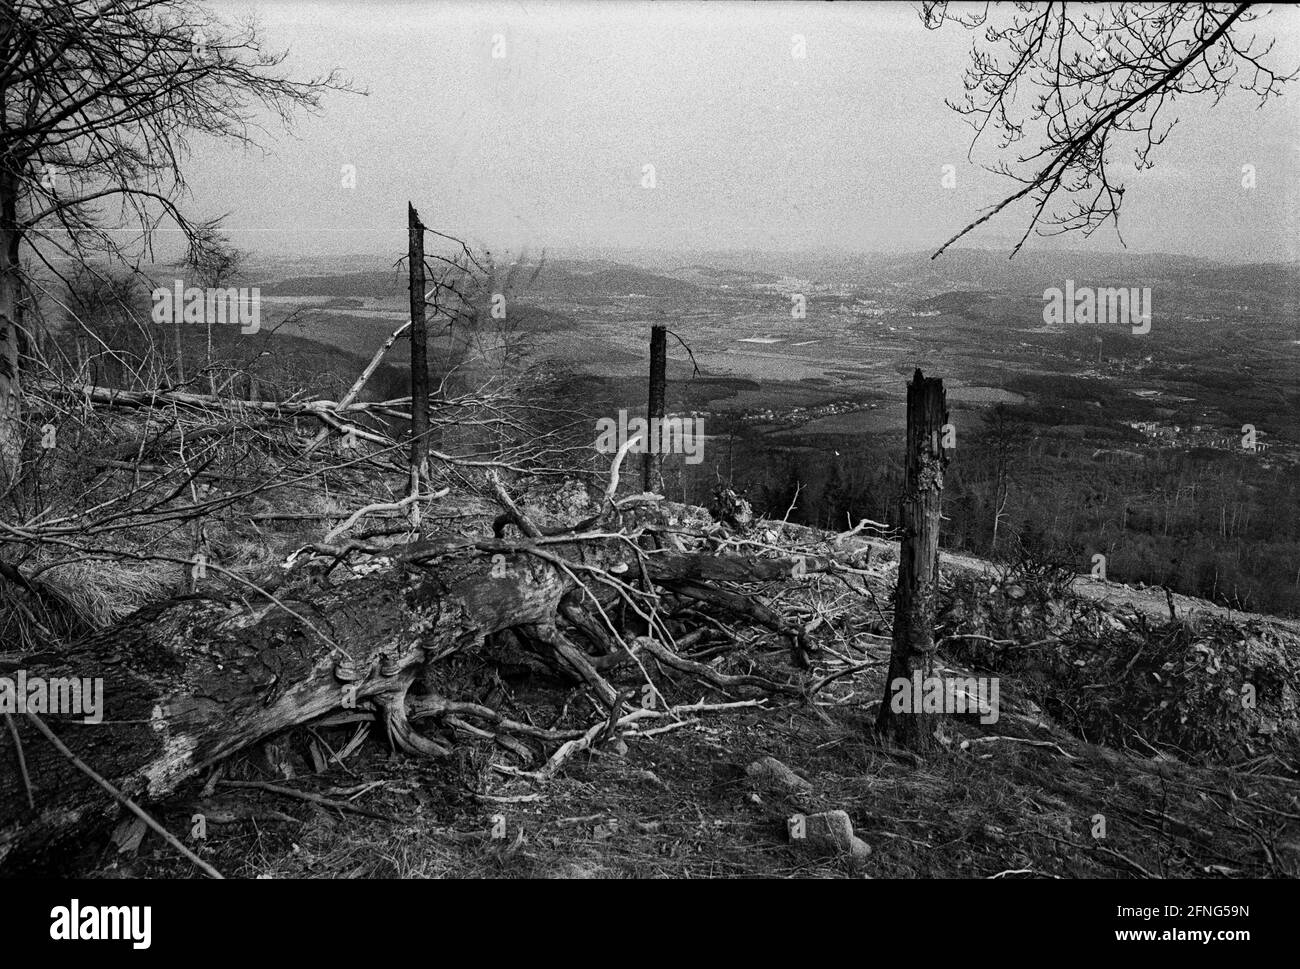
796 415
1198 435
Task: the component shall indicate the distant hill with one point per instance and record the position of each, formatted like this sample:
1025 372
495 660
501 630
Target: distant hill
588 279
967 270
574 279
1275 279
1031 271
713 276
376 283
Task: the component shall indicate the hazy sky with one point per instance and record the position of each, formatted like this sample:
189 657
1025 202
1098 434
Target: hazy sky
752 147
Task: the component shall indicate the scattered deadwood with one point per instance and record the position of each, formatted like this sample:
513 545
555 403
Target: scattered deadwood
309 796
191 681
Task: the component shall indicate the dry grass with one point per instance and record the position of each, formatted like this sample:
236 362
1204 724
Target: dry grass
103 591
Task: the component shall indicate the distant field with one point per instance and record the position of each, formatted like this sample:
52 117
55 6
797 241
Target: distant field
983 395
989 341
791 400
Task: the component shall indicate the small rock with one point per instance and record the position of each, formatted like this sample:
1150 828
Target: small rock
832 831
771 770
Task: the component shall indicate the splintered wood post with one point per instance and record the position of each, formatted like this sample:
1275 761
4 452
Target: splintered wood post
11 290
419 353
905 722
651 479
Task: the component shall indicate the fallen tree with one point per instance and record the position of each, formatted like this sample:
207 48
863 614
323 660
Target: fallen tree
193 680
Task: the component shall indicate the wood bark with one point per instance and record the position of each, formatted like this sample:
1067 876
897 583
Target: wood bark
912 649
11 433
651 476
190 681
419 353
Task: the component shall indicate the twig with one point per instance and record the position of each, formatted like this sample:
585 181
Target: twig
665 728
1126 859
1021 740
1122 857
513 514
307 796
381 506
812 690
358 384
22 761
125 801
507 799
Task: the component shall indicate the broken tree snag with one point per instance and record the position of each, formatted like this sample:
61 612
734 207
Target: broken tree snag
651 469
419 353
918 560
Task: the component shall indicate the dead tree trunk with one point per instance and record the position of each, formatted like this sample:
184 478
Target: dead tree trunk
180 347
651 477
419 353
189 682
11 434
918 566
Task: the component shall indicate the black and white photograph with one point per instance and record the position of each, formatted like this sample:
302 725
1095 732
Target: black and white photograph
597 440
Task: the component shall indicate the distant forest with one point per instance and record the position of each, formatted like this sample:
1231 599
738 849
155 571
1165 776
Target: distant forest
1206 523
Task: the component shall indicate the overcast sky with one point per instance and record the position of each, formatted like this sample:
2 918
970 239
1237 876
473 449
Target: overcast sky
752 147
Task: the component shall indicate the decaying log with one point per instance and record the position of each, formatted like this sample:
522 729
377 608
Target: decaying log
192 680
189 681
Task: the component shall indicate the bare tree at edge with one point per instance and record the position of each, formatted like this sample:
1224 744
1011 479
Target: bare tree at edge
1072 87
99 100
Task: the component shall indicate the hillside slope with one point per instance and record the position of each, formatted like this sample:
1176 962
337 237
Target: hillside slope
1081 775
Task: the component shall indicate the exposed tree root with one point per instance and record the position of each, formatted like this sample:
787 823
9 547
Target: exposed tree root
191 682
